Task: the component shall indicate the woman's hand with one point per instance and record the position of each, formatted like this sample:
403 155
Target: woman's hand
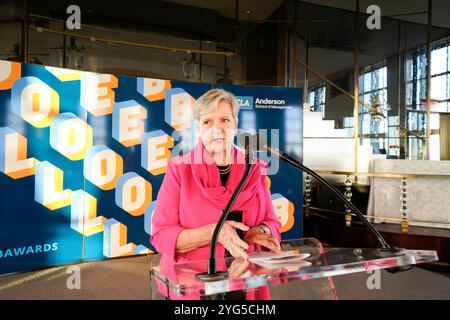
231 241
256 235
239 268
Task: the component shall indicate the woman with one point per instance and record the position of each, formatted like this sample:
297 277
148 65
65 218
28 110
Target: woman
197 187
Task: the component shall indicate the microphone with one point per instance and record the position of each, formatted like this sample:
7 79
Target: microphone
258 143
212 274
251 142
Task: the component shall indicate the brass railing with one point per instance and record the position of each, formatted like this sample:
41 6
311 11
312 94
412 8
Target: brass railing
90 35
404 220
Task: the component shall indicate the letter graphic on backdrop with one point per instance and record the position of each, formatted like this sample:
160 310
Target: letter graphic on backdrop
83 214
48 186
9 73
34 101
140 249
284 211
269 182
178 109
70 136
64 74
133 193
13 155
128 124
153 89
97 95
155 153
102 167
148 217
115 240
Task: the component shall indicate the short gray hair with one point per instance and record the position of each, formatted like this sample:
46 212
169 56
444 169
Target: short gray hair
209 101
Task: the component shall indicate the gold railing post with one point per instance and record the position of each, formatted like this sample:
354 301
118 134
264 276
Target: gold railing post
308 189
404 208
348 195
356 88
429 35
25 33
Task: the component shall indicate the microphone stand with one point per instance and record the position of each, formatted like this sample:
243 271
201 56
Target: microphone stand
212 274
385 247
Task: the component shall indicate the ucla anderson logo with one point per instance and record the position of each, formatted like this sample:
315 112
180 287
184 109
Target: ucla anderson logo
245 102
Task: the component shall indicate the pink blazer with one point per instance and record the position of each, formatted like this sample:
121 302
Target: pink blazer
182 201
191 196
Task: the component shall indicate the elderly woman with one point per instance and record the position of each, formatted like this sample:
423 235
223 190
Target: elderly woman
198 185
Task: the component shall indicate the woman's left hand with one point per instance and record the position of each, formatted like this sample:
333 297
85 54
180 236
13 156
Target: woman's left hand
256 236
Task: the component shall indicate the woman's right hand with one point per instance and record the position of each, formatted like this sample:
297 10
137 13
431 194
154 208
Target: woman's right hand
239 268
230 239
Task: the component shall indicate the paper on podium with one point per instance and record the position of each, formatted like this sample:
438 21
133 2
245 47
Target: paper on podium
291 258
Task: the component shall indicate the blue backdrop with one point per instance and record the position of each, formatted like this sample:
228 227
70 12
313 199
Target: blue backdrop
79 150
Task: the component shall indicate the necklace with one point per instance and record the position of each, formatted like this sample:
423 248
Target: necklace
226 170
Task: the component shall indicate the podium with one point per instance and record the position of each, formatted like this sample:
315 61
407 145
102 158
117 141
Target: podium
310 278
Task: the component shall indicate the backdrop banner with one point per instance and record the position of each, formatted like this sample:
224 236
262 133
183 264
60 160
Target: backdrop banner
82 156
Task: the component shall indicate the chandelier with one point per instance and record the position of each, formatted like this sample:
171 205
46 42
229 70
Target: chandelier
378 111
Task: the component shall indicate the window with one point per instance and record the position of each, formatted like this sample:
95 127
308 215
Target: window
416 79
247 120
292 120
416 95
317 99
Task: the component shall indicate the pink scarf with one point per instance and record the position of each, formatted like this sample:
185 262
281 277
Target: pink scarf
207 178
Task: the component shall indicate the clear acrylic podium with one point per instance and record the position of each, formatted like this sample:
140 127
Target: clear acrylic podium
310 277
